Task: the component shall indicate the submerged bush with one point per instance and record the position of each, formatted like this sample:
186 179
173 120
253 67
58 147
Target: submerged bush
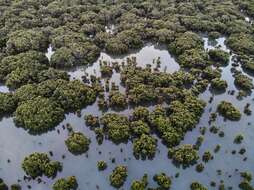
186 41
197 186
69 183
185 155
75 54
163 181
118 176
92 121
142 94
145 146
140 185
243 82
15 187
140 113
241 43
38 164
227 110
77 143
207 156
117 99
139 127
3 186
193 58
74 95
101 165
249 65
7 103
116 127
218 84
38 115
219 56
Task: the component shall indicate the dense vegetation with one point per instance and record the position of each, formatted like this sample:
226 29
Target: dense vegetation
118 176
227 110
38 115
69 183
185 155
38 164
77 143
42 91
163 181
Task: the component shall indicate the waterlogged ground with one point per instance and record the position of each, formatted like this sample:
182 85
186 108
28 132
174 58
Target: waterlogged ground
16 143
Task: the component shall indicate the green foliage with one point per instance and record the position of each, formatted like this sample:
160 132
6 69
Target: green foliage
77 143
117 99
243 82
72 49
142 94
246 176
106 70
70 95
193 58
116 46
219 56
241 43
163 181
246 182
185 154
38 115
140 113
92 121
140 185
51 74
32 60
62 57
186 41
101 165
139 127
245 185
227 110
74 95
3 186
249 65
116 127
218 84
7 103
38 164
209 73
118 176
145 146
207 156
123 41
238 139
29 67
16 187
24 40
69 183
197 186
199 167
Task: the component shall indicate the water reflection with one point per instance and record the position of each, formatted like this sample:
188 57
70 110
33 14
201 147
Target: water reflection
217 43
50 52
4 88
147 55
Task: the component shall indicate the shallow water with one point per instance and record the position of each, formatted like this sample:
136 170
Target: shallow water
15 143
50 52
4 88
